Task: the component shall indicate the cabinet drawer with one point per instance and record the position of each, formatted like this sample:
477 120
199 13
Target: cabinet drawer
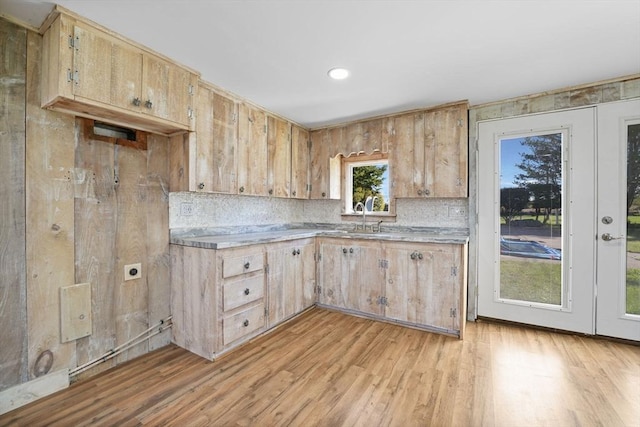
233 266
242 324
241 292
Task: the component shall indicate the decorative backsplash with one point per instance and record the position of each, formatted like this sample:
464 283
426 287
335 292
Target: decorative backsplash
205 210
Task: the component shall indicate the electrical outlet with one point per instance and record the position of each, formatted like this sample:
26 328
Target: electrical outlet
457 211
186 209
132 271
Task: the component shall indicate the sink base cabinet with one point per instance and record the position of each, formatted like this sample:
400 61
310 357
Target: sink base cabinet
416 284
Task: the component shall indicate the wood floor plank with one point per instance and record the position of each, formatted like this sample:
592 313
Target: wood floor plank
326 368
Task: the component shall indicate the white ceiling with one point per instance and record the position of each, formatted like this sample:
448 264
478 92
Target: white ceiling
402 54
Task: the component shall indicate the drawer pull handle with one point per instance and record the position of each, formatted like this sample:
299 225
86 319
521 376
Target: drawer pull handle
247 265
247 291
245 323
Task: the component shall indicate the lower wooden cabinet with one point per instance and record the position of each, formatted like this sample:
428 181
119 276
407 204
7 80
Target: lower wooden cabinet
290 278
418 284
222 298
350 275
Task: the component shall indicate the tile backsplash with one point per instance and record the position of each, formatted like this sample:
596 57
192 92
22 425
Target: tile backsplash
204 210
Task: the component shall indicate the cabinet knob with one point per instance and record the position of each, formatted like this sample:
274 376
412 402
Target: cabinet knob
241 189
294 193
419 255
297 251
413 255
419 192
148 104
245 323
270 191
246 265
136 102
324 194
294 252
201 185
350 250
344 250
425 192
247 291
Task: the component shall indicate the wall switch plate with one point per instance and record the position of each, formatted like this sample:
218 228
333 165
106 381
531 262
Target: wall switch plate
457 211
186 209
132 271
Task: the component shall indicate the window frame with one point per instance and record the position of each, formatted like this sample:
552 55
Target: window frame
353 161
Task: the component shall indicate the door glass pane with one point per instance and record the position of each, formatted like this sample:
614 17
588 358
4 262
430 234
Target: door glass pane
531 219
633 220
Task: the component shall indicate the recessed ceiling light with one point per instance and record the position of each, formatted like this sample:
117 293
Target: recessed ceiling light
338 73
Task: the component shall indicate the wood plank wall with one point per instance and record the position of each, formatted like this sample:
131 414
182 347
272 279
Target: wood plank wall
13 308
74 209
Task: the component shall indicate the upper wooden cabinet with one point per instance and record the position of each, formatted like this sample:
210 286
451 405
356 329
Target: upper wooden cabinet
299 163
252 151
278 157
429 153
93 73
216 142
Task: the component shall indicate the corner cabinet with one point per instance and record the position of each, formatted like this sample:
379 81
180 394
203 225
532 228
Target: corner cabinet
90 72
415 284
290 279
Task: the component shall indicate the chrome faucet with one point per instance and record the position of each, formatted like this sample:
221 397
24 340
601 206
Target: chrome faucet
364 212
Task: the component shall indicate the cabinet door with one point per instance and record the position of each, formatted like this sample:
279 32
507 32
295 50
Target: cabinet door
319 166
366 278
216 142
446 151
334 273
299 163
167 90
305 291
106 70
407 157
278 157
252 151
281 282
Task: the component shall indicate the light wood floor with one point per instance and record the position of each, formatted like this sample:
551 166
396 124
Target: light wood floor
330 369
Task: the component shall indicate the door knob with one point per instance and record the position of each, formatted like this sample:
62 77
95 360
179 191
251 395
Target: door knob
607 237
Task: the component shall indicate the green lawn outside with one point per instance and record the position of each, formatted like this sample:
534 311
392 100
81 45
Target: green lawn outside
540 281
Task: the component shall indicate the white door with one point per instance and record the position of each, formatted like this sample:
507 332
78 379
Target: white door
536 227
618 220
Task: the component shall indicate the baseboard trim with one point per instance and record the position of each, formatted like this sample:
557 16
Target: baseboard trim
22 394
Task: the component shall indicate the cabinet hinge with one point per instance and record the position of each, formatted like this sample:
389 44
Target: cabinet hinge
383 263
265 128
190 112
266 268
453 312
309 143
459 182
73 76
309 187
190 89
454 271
459 122
383 301
74 42
318 290
317 256
234 117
